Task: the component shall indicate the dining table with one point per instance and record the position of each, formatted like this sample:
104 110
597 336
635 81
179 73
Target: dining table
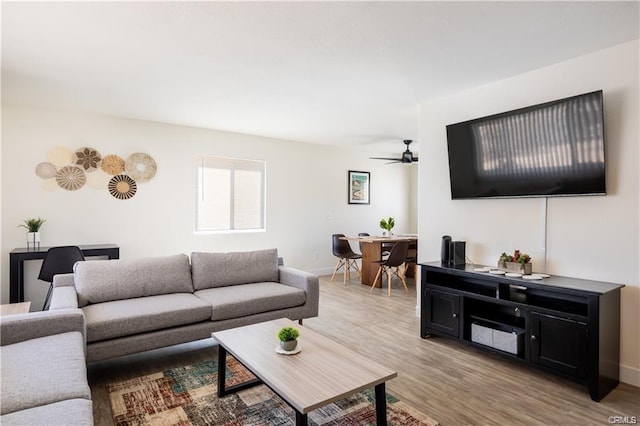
372 249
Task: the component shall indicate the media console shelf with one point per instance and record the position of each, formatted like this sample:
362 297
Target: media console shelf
566 326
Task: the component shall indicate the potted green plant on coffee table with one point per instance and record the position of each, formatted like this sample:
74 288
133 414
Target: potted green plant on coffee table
288 338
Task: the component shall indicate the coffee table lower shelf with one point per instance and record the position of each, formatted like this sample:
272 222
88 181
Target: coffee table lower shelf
324 372
301 418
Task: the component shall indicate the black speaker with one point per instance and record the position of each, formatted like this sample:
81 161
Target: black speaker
445 257
458 253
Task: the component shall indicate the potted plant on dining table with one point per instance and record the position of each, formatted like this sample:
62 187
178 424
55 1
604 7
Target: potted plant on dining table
387 225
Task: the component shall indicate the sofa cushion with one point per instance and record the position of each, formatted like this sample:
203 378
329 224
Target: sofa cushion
211 270
71 412
248 299
43 371
120 318
107 280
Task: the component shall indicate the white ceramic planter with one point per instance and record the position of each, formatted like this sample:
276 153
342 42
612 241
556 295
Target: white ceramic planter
515 267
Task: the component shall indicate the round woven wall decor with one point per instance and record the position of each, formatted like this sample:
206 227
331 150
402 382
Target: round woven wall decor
113 164
46 170
70 178
49 185
60 156
98 179
87 158
140 166
122 187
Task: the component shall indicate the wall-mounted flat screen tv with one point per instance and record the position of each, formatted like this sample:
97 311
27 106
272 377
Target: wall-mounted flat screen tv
550 149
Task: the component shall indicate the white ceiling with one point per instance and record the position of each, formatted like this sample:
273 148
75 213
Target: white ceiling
343 73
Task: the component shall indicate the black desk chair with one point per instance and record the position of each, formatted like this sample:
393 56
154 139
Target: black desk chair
346 257
362 234
393 265
412 259
59 260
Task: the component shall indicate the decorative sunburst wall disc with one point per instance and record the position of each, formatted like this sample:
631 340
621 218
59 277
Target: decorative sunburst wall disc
46 170
122 187
87 158
70 178
140 166
113 164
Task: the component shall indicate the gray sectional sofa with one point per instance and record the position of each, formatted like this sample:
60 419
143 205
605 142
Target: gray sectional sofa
43 369
136 305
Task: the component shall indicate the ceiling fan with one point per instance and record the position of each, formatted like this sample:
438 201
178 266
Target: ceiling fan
406 158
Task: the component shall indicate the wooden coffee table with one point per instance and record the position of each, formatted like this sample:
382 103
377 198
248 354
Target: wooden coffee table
323 372
15 308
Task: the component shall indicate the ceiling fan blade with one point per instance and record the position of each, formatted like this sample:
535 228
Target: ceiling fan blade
385 158
405 158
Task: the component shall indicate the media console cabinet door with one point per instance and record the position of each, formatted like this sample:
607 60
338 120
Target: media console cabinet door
559 344
443 312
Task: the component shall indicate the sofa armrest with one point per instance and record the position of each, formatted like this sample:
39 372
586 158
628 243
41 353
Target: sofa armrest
63 298
303 280
21 327
64 295
63 280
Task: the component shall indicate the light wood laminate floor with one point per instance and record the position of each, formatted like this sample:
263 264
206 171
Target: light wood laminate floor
452 383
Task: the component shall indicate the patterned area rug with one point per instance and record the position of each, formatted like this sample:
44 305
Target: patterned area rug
187 396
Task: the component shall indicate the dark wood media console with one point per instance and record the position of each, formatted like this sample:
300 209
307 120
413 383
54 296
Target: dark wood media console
566 326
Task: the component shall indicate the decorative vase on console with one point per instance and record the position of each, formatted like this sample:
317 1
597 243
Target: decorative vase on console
33 240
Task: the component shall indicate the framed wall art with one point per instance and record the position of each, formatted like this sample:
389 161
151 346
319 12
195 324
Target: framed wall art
359 187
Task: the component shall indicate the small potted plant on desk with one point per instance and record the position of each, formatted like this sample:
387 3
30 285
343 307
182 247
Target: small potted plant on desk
519 262
387 225
32 225
288 338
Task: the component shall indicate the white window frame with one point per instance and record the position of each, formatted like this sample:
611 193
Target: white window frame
232 165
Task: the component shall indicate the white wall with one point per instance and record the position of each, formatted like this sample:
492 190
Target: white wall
306 192
588 237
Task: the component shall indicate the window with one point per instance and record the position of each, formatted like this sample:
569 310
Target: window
230 194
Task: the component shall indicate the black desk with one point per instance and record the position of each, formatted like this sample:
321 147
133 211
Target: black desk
19 255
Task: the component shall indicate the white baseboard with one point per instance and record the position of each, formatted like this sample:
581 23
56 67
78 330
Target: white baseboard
630 375
322 271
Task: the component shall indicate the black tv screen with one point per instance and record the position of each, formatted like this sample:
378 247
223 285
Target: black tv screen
550 149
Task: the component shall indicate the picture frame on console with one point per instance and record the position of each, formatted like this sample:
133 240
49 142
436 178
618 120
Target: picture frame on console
359 187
